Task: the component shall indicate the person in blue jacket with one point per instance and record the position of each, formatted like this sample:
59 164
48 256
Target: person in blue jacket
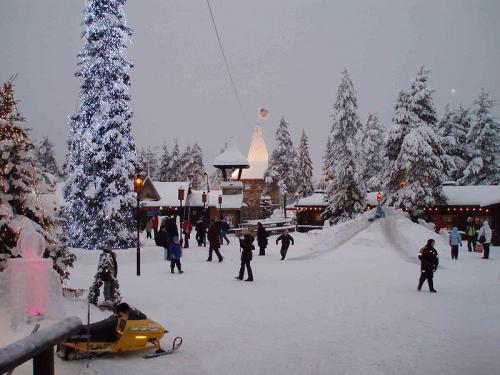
175 255
455 241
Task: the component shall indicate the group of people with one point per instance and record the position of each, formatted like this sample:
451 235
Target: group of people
429 258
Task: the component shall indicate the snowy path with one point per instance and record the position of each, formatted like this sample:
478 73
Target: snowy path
352 310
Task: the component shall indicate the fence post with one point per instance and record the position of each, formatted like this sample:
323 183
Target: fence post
43 363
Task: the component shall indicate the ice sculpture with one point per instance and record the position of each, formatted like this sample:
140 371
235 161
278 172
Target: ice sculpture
34 289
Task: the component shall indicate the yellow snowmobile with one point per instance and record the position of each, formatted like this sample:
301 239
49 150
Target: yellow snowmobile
128 329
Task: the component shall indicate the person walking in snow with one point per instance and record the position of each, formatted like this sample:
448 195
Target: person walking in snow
213 239
175 249
455 241
484 236
438 224
224 228
470 232
186 230
163 241
155 222
149 226
285 239
246 244
262 238
201 230
429 261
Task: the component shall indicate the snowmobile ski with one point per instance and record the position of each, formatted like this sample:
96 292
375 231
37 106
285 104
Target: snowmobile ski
175 345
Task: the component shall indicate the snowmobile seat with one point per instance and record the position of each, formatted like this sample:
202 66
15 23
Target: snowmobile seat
103 331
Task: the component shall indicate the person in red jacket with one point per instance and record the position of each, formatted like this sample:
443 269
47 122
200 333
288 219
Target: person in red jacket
154 221
186 230
214 241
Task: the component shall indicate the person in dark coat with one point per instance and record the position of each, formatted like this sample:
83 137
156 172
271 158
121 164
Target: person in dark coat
429 261
155 223
224 228
163 240
470 233
213 239
175 255
172 229
262 238
285 239
246 244
201 230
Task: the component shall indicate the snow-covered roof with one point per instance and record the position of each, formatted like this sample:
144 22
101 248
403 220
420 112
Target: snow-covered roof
257 157
232 201
317 199
479 195
231 157
168 192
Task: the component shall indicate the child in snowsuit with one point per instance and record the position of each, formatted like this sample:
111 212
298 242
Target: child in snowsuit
175 255
455 241
429 261
246 244
285 239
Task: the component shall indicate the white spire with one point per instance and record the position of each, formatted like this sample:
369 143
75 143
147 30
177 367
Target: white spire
257 156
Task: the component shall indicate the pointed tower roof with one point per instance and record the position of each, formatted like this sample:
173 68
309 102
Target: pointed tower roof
257 156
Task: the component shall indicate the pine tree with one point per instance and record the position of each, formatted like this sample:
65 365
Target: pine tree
483 140
416 158
164 167
45 157
141 163
346 190
453 127
176 163
100 200
372 148
282 167
20 203
304 167
327 172
194 169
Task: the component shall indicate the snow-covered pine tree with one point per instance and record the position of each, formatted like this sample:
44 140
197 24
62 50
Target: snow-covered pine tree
20 203
372 147
194 169
282 167
304 168
164 165
266 208
45 158
326 169
415 155
141 163
453 127
176 163
483 140
100 200
346 190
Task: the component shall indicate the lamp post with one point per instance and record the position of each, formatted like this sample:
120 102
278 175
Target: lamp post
205 219
220 206
284 203
180 197
208 186
138 181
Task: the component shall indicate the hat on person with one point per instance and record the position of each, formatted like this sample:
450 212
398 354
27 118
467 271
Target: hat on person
175 239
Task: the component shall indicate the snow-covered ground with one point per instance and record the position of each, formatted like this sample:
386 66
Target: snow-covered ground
343 302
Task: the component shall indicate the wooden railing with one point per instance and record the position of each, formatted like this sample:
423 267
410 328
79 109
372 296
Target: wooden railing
39 346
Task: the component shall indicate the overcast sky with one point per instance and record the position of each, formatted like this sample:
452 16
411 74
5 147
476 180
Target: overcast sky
285 55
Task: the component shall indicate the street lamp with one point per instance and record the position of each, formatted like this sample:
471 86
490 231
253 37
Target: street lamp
208 186
205 218
220 206
180 197
138 181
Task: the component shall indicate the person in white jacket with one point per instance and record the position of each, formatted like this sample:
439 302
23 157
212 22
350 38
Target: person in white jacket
485 232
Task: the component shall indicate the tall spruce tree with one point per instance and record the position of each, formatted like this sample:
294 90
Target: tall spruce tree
483 140
45 157
416 157
194 169
176 163
304 167
20 203
164 165
372 148
345 194
282 167
100 200
453 127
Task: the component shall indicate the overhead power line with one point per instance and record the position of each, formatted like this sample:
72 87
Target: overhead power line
235 91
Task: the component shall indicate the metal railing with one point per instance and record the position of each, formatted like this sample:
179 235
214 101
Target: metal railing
39 346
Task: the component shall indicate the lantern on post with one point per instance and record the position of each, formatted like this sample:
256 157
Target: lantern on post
220 206
204 200
138 182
